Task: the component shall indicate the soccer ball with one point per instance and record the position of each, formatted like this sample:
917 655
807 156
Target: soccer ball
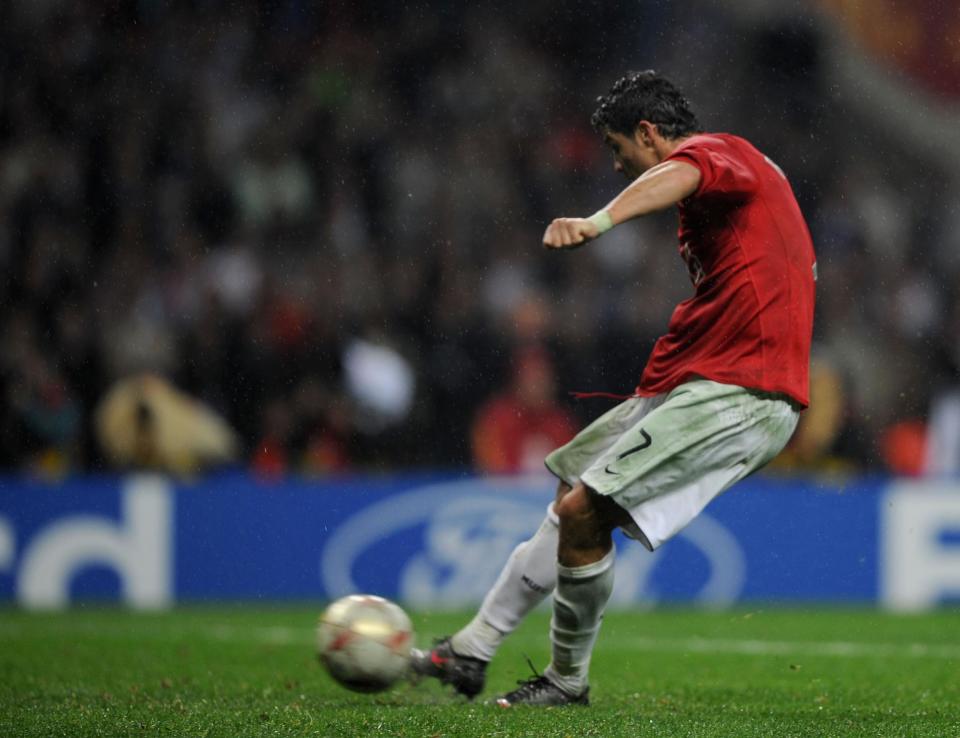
364 641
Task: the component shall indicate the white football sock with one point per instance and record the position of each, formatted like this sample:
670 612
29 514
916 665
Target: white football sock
529 575
578 603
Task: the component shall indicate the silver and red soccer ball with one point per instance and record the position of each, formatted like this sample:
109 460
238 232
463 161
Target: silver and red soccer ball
364 641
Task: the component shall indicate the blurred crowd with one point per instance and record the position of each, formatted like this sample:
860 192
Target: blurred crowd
320 223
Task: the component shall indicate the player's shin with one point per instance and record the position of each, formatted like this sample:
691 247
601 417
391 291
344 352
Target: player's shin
578 603
527 578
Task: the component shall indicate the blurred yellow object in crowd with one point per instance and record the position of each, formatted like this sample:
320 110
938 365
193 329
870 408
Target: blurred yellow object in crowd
145 422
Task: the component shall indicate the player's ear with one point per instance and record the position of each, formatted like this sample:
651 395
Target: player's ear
644 132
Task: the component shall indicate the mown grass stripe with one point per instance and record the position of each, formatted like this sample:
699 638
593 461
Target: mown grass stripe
281 635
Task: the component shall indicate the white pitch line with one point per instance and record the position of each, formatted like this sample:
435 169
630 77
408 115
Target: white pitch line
754 647
282 635
271 635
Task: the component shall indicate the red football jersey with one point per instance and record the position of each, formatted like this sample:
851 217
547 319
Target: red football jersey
751 260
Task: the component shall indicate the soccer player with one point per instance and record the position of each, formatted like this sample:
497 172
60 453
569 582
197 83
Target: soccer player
719 397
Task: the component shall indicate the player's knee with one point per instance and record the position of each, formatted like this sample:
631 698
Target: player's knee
584 509
576 507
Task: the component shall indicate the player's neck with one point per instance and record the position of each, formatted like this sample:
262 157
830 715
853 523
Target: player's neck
666 146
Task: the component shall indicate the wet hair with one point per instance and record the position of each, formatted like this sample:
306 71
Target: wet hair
645 96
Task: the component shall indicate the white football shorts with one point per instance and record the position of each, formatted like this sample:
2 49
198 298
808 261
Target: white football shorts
664 458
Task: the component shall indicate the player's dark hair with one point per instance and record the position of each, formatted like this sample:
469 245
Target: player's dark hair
645 96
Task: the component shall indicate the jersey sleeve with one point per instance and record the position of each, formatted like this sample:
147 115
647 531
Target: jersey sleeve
722 173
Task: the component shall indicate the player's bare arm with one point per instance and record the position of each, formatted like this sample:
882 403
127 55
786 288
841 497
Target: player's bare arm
658 188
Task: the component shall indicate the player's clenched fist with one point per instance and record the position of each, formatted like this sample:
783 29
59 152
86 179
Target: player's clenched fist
571 232
565 232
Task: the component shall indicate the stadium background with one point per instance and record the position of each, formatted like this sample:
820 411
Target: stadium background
300 242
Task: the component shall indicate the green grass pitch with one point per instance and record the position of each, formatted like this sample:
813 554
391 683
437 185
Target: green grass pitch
238 671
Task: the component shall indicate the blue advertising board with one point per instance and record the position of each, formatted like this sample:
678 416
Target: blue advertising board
439 541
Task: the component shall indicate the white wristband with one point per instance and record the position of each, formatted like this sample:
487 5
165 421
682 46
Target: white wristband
602 220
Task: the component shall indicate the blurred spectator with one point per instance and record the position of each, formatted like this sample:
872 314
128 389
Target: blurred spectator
308 433
325 431
41 419
903 445
271 452
516 429
46 416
